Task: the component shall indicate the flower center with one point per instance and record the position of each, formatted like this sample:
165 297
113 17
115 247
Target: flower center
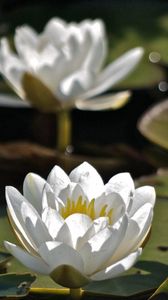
83 207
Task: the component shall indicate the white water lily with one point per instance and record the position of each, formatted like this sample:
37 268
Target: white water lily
76 229
62 66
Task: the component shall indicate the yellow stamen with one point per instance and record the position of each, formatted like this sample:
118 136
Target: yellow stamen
84 207
109 215
103 211
73 207
81 206
91 209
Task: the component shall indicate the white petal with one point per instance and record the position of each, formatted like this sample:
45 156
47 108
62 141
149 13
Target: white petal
78 224
115 72
25 36
54 72
35 60
75 84
137 230
89 179
143 217
34 225
142 195
9 100
98 47
117 268
14 201
127 242
11 67
105 102
113 201
122 184
34 263
97 251
52 220
55 31
97 225
73 191
64 235
49 198
57 179
57 254
32 190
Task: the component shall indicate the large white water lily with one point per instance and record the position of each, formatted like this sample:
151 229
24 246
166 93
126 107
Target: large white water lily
62 66
76 229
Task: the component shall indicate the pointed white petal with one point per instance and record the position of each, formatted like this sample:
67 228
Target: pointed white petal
55 32
11 67
143 217
98 47
57 254
32 262
14 201
57 179
8 100
117 268
78 224
32 190
114 202
34 225
89 179
73 191
96 226
25 36
75 84
142 195
115 72
64 235
137 230
127 242
49 198
25 244
122 184
52 220
97 251
105 102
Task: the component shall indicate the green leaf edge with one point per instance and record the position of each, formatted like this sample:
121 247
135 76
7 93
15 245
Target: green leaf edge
25 289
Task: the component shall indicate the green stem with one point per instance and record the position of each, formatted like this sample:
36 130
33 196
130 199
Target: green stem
75 294
64 128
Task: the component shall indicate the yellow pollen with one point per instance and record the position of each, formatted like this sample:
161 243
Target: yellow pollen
103 211
91 209
81 206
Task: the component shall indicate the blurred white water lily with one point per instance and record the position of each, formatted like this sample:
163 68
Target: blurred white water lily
62 66
76 229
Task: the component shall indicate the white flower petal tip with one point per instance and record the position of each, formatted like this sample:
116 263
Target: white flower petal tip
137 52
106 102
32 262
54 69
75 228
68 276
117 268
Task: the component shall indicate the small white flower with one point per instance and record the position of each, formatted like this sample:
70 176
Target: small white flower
65 62
76 229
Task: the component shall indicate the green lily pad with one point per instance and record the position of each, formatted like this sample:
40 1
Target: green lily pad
4 259
154 124
162 292
15 285
143 280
